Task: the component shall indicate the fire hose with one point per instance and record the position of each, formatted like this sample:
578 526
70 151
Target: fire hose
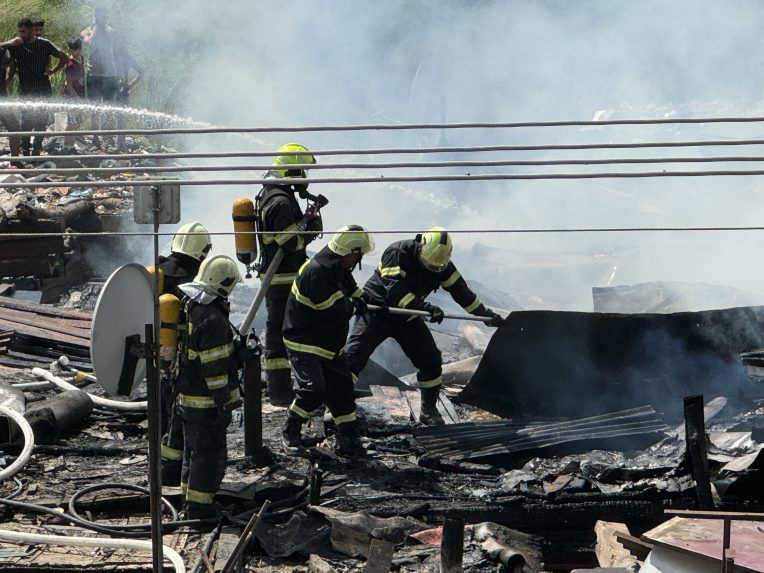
264 284
425 314
26 452
97 542
97 400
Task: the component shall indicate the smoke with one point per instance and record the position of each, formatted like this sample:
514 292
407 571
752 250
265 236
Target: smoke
249 63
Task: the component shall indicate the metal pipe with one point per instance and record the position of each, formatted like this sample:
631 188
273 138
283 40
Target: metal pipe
97 542
265 282
393 165
391 179
26 451
97 400
425 314
390 127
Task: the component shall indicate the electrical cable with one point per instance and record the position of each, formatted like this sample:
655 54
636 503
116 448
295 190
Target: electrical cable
393 165
404 150
97 400
405 232
391 179
393 127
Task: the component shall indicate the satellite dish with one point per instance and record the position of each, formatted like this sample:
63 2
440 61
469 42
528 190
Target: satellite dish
124 308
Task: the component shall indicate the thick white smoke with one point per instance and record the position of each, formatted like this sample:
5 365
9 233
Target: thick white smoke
249 63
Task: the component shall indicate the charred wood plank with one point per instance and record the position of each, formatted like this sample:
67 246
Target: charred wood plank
44 310
697 454
452 546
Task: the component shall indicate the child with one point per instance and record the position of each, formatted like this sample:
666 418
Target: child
74 86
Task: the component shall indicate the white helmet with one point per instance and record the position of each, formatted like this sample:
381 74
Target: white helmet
192 239
218 274
351 239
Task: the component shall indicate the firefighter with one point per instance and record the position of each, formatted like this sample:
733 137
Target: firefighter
208 383
278 210
190 247
408 272
323 298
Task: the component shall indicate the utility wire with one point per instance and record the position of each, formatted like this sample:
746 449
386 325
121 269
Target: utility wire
398 165
383 179
398 150
397 127
404 232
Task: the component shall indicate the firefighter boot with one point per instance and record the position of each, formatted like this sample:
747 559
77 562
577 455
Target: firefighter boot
349 441
202 510
429 416
291 434
279 385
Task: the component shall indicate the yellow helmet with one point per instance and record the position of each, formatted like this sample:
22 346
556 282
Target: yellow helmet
435 249
351 239
303 158
218 274
196 244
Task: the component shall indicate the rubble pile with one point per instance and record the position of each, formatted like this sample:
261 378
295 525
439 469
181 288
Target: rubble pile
556 505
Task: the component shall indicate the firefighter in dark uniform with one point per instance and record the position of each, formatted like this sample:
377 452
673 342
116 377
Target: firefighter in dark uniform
190 246
407 273
208 383
279 211
323 298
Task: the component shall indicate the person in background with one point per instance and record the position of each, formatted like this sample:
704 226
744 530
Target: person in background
102 75
125 64
74 85
32 55
38 27
8 119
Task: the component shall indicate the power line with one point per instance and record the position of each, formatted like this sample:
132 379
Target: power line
406 232
383 179
394 165
396 127
401 150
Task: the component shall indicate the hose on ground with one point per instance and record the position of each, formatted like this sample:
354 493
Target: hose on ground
98 542
124 486
97 400
26 452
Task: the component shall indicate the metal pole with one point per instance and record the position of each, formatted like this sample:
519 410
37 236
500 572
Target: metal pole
265 282
241 545
154 407
425 314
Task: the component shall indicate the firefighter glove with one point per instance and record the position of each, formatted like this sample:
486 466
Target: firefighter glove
436 313
359 305
496 319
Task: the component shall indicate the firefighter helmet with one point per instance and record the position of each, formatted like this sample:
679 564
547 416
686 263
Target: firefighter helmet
435 249
351 239
301 156
192 239
218 274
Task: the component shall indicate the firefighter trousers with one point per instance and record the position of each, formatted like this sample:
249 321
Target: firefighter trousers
172 450
204 452
413 336
275 361
321 381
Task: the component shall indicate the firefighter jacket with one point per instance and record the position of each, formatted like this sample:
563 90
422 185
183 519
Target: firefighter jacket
178 269
279 210
318 310
401 281
210 362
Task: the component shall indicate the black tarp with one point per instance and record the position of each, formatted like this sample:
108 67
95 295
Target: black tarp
580 364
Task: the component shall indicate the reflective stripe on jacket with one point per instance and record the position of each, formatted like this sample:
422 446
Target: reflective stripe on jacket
400 280
210 363
318 310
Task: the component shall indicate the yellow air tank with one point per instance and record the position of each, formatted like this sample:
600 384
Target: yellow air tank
169 312
244 219
151 270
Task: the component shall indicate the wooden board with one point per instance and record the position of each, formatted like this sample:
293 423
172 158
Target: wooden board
703 538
